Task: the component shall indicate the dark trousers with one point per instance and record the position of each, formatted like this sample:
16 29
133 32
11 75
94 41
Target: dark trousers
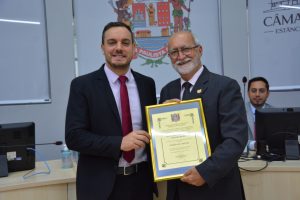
133 187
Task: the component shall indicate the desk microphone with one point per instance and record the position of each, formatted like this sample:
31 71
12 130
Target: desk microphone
56 143
25 145
244 82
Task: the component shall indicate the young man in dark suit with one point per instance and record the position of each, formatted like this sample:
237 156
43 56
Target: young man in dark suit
218 177
106 124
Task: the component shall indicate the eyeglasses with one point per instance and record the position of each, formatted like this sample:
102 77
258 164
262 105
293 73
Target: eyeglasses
185 51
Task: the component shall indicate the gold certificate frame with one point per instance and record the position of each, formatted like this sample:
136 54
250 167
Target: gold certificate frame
179 138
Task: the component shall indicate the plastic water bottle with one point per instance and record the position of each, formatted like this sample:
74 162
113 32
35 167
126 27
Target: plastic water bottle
66 157
75 156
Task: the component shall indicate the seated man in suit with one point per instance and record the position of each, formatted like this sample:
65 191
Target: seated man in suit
258 93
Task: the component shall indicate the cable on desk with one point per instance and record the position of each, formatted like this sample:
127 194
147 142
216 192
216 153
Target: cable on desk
246 159
30 174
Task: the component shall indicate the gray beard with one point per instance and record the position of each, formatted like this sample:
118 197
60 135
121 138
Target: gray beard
184 69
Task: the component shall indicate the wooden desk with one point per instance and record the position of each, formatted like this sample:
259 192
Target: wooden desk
280 180
58 185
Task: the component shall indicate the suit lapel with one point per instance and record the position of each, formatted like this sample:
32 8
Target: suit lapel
175 91
142 90
103 83
201 84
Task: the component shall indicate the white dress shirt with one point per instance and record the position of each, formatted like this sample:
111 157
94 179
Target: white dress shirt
192 81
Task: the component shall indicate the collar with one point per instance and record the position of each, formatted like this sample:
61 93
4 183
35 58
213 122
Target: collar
194 79
113 77
253 108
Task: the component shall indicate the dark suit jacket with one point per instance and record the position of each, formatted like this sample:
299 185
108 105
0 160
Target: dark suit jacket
227 130
93 128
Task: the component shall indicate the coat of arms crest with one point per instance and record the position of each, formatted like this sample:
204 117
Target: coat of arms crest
152 22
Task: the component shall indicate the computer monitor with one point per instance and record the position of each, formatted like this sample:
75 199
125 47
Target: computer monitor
277 131
15 141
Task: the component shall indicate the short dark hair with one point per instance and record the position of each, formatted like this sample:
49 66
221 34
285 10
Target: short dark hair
259 78
117 24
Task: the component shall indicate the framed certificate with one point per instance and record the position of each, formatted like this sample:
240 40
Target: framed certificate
179 138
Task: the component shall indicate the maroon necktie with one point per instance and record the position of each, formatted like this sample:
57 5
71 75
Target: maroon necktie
126 116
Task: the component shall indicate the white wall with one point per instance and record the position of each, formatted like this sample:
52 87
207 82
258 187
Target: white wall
234 37
235 51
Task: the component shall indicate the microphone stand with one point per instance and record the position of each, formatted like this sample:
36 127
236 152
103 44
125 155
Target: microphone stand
244 96
244 82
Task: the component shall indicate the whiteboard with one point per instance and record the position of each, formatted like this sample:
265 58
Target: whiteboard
24 66
274 42
91 17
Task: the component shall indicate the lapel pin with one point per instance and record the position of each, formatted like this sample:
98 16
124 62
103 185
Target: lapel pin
199 91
